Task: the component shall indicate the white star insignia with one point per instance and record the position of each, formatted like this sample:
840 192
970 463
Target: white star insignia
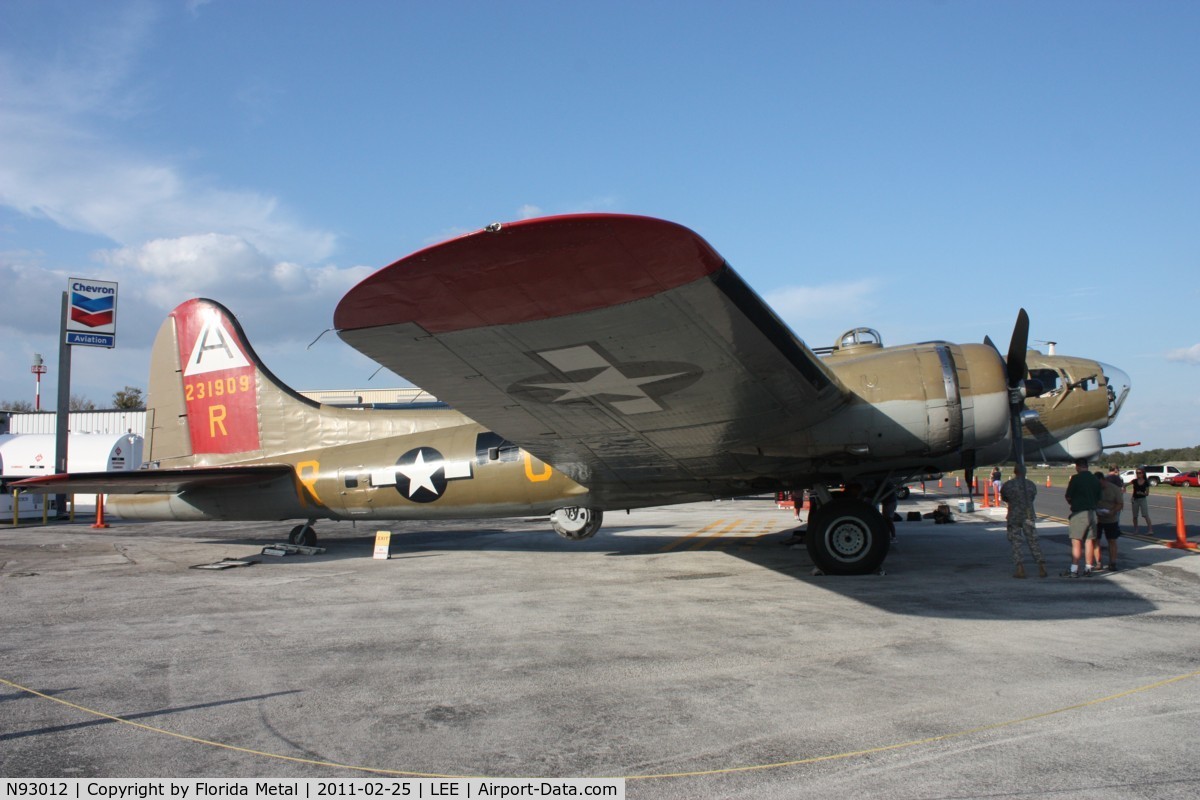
608 381
420 474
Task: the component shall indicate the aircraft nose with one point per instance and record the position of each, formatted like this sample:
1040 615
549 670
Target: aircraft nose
1118 388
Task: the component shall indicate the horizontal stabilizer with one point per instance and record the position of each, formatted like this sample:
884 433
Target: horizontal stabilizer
154 481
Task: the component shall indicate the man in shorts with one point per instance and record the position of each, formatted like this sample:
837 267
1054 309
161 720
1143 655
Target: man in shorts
1108 516
1083 495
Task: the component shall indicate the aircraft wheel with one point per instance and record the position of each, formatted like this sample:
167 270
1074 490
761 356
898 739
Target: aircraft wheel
847 537
303 535
576 523
903 492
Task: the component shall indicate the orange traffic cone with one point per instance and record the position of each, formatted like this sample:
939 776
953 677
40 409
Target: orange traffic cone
100 523
986 501
1047 480
1181 542
957 482
939 483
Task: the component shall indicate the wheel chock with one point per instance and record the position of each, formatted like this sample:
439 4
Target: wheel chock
291 550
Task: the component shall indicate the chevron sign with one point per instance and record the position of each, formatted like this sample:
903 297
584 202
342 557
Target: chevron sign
92 312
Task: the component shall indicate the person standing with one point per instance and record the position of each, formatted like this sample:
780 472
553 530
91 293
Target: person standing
1083 495
997 476
1140 497
1018 492
1108 515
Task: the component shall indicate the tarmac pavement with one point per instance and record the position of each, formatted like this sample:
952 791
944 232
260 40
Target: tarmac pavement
683 648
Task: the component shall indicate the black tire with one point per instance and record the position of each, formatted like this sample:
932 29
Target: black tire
903 492
303 535
1153 481
847 537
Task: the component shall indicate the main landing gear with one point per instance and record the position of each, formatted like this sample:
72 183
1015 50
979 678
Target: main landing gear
576 523
847 537
304 534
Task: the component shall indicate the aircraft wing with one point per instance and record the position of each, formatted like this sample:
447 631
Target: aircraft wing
153 481
622 350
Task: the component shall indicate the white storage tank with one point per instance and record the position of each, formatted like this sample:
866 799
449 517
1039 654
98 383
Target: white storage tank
24 455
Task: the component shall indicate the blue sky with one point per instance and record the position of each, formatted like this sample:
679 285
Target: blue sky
923 168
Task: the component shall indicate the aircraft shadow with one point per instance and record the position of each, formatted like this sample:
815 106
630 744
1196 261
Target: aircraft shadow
962 570
959 571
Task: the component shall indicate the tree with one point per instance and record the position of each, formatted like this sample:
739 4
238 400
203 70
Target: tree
129 398
81 403
16 405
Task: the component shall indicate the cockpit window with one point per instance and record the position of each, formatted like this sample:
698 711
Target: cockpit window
1118 385
860 336
1049 378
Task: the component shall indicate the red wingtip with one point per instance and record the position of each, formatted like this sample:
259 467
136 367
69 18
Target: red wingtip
529 270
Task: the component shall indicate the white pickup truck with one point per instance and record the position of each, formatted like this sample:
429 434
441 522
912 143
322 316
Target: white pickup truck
1155 473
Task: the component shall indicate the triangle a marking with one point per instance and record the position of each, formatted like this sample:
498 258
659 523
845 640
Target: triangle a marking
215 350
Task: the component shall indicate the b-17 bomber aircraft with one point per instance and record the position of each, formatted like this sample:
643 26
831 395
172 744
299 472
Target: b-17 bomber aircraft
588 363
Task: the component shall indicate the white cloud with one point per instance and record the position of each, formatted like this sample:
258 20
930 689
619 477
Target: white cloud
828 302
56 165
177 235
1187 355
230 268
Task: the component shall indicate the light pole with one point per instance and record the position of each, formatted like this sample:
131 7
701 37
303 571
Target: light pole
38 369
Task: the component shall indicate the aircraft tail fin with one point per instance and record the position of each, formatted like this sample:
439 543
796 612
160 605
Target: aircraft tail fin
208 391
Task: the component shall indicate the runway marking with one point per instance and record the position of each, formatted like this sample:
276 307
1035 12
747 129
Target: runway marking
644 777
709 538
740 532
680 540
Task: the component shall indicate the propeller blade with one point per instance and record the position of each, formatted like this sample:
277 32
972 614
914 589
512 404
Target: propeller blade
1018 442
1016 350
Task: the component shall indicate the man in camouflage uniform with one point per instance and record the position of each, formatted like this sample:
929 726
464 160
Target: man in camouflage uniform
1022 520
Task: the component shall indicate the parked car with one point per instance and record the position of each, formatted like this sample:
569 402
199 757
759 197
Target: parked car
1155 473
1185 479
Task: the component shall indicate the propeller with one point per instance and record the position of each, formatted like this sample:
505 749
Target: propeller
1015 363
1019 387
1014 366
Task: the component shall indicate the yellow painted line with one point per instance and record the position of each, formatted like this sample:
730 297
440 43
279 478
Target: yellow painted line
221 745
681 539
741 533
737 523
915 742
642 777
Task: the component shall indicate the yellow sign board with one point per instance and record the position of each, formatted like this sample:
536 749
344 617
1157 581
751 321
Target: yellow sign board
383 544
